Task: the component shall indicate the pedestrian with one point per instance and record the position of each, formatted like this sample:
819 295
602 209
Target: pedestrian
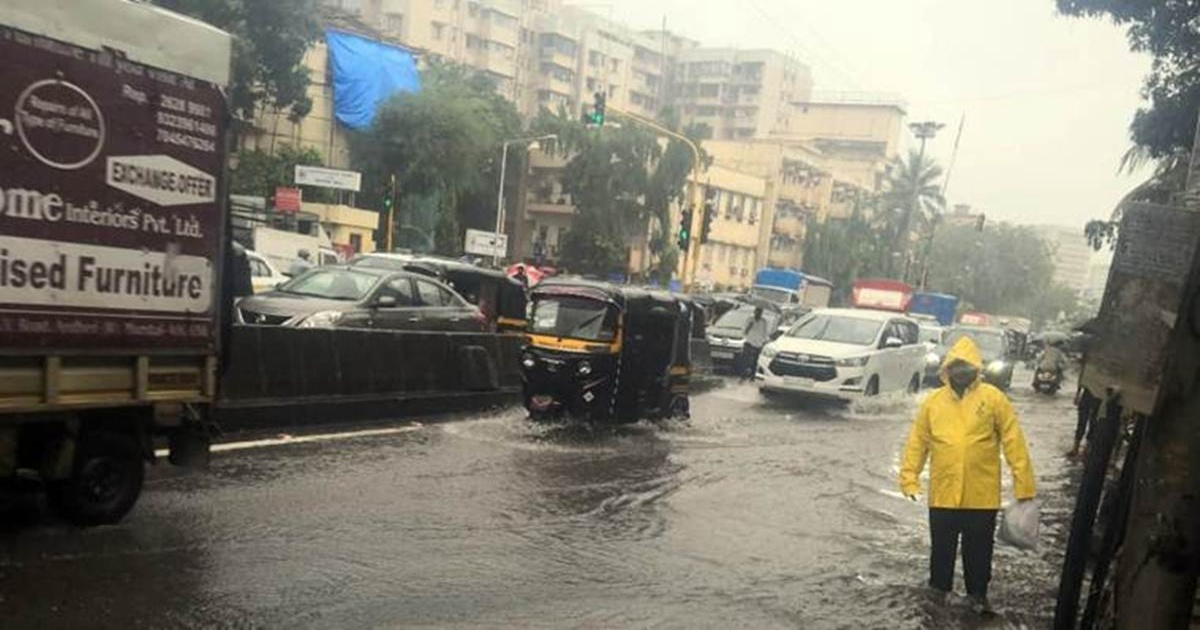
757 336
302 263
520 276
961 428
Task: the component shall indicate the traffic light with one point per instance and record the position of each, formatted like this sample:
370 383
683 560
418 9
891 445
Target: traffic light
685 229
596 115
710 213
599 107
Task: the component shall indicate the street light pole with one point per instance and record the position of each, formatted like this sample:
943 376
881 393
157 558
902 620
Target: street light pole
503 173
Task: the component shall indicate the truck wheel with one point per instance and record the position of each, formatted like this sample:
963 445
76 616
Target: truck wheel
105 482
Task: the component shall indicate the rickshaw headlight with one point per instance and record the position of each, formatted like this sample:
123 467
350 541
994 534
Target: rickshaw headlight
528 361
584 368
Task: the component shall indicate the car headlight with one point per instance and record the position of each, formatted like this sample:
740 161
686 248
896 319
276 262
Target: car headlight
769 351
584 368
996 366
932 359
854 361
321 319
528 361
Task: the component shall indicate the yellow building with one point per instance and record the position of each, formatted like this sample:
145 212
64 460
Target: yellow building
857 134
730 256
347 226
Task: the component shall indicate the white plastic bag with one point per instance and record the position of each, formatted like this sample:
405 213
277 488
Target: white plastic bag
1020 524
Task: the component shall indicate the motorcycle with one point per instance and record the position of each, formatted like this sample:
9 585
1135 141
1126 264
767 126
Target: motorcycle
1047 381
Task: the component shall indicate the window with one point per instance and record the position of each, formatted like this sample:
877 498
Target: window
356 242
723 253
710 90
259 269
430 294
752 215
400 289
394 22
910 333
438 30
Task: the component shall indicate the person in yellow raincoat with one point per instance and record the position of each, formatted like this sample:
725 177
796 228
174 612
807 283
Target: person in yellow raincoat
960 429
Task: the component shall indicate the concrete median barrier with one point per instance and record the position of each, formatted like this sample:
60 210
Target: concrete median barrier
280 376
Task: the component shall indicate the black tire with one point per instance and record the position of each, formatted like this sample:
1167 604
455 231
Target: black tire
914 385
105 481
872 389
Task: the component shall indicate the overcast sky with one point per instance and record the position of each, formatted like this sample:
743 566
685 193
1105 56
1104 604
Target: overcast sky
1047 99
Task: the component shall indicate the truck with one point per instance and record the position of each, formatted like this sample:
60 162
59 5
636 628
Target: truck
113 247
280 237
881 295
973 318
940 306
788 287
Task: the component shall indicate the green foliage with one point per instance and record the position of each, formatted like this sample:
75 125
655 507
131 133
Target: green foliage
623 183
843 250
444 143
258 173
1004 270
1100 233
271 37
1162 28
912 193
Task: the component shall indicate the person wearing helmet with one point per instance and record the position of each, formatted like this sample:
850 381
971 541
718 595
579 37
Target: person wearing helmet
961 429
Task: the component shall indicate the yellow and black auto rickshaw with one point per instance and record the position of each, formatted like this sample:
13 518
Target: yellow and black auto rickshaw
600 352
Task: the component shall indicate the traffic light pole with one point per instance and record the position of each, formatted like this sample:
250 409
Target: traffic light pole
691 258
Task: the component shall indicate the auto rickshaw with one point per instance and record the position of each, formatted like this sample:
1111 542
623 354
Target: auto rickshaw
603 353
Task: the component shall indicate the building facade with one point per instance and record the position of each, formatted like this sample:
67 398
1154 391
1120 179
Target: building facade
1072 255
729 258
739 94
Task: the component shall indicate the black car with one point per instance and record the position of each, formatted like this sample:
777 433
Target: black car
355 297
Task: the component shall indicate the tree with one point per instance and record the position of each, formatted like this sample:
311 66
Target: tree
843 250
443 146
623 183
1005 269
270 39
1167 122
912 190
258 173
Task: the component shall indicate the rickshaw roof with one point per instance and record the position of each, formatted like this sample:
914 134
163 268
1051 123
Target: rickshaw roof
623 296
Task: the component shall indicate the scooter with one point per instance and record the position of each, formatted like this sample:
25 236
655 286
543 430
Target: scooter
1047 381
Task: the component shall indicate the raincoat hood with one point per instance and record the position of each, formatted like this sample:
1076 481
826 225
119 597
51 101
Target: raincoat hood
963 350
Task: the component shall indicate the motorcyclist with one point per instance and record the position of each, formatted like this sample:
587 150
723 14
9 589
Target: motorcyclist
1053 360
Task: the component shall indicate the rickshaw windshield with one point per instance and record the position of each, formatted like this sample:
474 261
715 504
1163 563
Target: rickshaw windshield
575 317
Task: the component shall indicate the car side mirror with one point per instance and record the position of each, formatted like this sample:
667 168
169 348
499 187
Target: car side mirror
893 342
777 334
385 301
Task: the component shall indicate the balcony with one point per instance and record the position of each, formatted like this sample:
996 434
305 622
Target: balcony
557 84
558 57
498 63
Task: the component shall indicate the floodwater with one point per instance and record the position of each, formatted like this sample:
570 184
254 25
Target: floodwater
753 514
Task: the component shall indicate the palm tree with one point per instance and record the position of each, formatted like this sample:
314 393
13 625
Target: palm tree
913 187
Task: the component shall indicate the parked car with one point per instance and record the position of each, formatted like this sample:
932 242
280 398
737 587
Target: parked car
994 347
263 275
352 297
727 337
843 354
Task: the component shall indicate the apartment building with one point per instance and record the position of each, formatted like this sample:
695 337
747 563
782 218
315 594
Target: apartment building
739 94
856 133
1071 252
731 256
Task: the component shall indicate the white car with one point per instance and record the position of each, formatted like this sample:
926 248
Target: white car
263 275
843 354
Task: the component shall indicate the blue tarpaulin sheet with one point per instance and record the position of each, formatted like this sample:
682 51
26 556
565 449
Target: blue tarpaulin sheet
365 74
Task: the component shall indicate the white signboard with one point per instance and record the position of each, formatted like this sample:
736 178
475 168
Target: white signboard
328 178
161 179
483 243
62 274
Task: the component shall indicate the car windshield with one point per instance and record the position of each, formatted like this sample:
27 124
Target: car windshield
778 296
991 344
575 317
739 319
333 284
838 329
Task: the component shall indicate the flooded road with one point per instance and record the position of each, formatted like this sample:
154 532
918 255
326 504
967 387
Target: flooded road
752 514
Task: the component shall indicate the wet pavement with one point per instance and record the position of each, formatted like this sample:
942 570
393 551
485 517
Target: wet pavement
752 514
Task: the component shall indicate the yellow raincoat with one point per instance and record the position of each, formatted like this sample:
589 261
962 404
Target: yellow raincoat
962 438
